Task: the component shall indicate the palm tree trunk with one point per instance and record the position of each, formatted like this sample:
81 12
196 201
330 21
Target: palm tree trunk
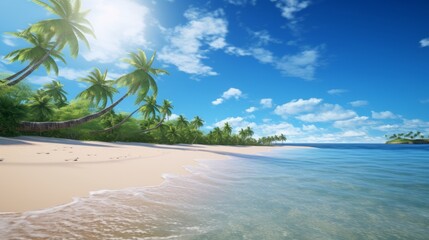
33 67
156 126
31 70
18 73
48 126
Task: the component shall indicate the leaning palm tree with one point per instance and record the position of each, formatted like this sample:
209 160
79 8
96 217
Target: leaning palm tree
67 30
56 91
140 80
41 45
100 90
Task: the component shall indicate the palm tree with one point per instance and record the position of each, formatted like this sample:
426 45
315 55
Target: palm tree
40 106
150 109
196 123
182 122
138 80
100 90
40 47
227 129
282 138
56 91
66 30
173 134
217 135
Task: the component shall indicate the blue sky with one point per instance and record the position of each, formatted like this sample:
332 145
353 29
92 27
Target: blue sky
315 70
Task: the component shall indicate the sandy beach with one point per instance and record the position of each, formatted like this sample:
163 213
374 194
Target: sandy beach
38 173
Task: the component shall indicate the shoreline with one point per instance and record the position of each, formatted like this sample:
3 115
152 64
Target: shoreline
38 172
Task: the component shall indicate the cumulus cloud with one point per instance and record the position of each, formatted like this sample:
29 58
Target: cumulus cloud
302 65
188 44
329 112
230 93
266 102
119 27
297 106
337 91
352 123
424 42
383 115
251 109
359 103
290 7
217 101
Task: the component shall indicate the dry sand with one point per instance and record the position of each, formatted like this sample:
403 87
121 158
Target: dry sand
37 173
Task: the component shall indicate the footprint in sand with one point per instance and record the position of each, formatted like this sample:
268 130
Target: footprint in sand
1 159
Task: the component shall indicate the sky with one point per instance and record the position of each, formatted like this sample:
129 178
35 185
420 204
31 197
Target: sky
314 70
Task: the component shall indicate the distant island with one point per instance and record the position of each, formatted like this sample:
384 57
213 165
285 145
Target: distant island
407 138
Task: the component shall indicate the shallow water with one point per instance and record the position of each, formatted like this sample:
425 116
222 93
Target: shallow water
328 192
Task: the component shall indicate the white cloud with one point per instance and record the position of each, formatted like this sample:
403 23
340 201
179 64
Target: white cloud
353 133
40 80
359 103
241 2
217 101
186 44
302 65
263 38
383 115
262 55
72 74
266 102
119 27
309 128
424 42
415 124
387 127
297 106
173 117
337 91
232 93
8 40
251 109
328 112
352 123
290 7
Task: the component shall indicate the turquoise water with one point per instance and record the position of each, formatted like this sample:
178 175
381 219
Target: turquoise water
327 192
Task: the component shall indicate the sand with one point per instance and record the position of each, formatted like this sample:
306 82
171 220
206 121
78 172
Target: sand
38 173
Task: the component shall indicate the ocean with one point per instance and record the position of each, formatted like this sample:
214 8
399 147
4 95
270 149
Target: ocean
329 191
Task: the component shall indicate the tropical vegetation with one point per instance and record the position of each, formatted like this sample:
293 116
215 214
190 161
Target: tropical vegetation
91 115
407 138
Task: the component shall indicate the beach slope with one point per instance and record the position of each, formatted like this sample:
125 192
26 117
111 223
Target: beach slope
37 172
